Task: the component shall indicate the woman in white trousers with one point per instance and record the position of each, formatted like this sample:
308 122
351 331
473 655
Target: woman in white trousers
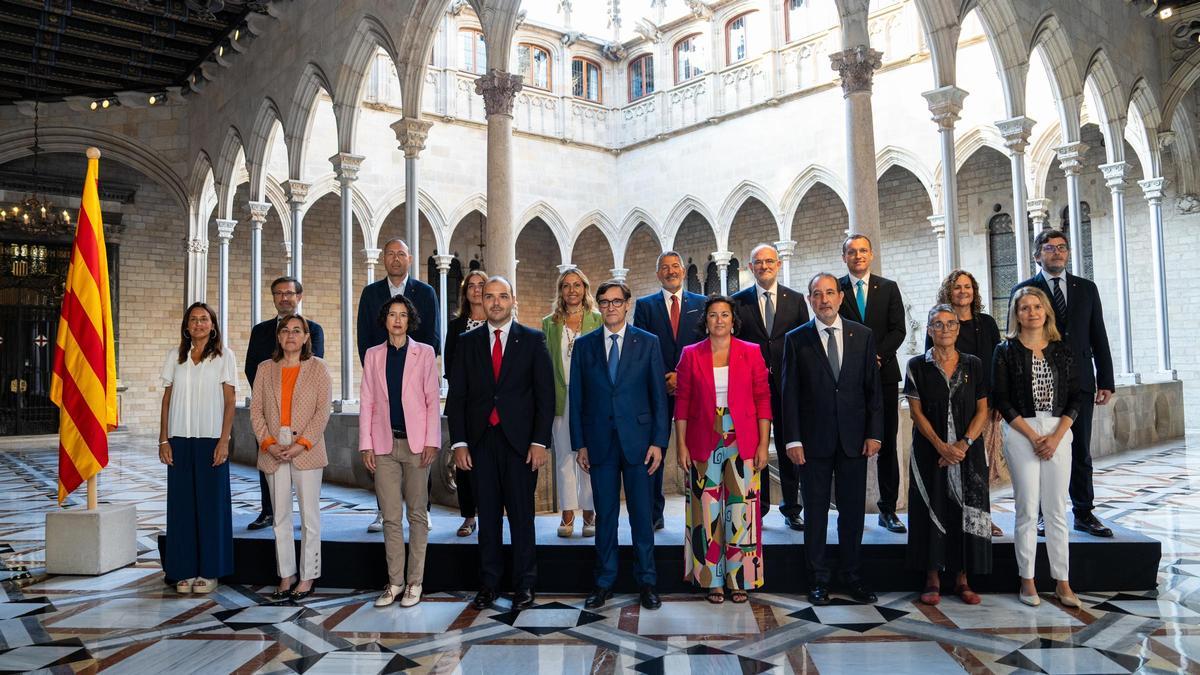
1035 389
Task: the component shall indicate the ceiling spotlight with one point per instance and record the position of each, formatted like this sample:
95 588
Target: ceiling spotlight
237 33
221 50
94 105
1166 13
153 99
104 104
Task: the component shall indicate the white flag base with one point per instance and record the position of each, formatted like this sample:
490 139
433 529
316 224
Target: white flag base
91 541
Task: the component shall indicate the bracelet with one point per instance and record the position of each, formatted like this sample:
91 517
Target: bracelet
164 442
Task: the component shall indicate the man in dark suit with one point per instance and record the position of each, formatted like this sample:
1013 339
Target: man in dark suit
832 420
768 310
619 427
875 302
672 315
286 293
500 409
397 262
1080 319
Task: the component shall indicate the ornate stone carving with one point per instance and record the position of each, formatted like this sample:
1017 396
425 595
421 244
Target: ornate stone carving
570 37
499 90
613 51
1187 204
699 8
1114 175
1070 157
1166 139
443 262
785 249
856 66
346 166
372 255
456 7
1016 132
648 31
938 223
199 246
297 191
619 273
1152 188
1039 212
258 213
225 229
411 134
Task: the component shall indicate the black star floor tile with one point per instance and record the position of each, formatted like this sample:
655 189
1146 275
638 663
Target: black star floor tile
702 659
48 655
1053 657
548 618
370 657
25 607
849 615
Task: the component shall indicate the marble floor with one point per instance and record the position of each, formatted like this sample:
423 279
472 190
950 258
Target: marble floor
128 621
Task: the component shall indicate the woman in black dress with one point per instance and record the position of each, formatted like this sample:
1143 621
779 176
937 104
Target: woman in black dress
470 316
949 516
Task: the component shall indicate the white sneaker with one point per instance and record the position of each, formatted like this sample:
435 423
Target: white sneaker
377 525
412 595
389 595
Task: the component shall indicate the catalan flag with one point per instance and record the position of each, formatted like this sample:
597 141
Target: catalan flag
84 384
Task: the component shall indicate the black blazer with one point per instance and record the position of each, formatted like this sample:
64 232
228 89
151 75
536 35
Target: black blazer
1012 380
1082 330
823 413
263 341
454 331
370 333
885 318
790 312
524 394
650 314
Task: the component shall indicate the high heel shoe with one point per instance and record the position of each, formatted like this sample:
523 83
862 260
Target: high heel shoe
297 596
1031 600
1071 600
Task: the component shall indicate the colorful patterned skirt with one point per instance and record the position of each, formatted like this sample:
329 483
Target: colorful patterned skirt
723 547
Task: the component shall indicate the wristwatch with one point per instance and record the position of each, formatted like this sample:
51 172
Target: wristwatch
969 440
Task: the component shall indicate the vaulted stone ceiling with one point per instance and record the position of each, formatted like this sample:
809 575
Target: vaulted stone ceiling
54 49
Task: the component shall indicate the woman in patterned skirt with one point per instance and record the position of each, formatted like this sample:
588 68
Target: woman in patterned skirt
722 425
949 518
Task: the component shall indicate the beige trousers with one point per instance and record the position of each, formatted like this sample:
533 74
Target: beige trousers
401 482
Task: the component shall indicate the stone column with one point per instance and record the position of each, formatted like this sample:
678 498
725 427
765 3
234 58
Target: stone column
1016 137
197 252
1152 188
297 195
1070 158
722 259
785 249
411 134
443 267
938 223
1039 213
1114 177
372 255
346 166
287 257
499 89
945 103
856 67
619 273
258 216
565 266
224 235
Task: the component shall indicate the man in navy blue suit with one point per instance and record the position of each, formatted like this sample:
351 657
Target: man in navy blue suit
672 315
286 293
619 427
833 420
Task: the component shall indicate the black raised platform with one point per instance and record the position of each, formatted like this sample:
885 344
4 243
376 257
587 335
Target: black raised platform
353 558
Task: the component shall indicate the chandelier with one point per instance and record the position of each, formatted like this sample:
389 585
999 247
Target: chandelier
36 214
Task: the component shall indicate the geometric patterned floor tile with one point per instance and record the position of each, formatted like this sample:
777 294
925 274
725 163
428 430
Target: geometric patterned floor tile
47 655
25 607
849 615
548 618
1053 657
702 659
366 658
190 656
257 616
882 658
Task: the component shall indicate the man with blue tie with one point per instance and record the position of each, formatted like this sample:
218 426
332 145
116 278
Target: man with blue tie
832 420
619 427
672 315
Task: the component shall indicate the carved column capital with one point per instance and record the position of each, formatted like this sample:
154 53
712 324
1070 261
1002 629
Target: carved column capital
785 248
722 258
346 166
619 273
945 103
297 191
411 134
372 255
258 213
938 223
1070 157
1152 188
499 90
197 245
856 67
565 267
443 262
1039 211
1114 175
1166 139
1016 132
225 229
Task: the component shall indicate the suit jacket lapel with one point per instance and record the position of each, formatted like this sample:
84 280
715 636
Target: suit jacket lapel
849 300
660 310
514 339
783 317
757 311
821 354
631 343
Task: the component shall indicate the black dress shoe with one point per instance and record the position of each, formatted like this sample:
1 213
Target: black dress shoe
860 593
263 520
522 599
484 599
650 599
659 524
795 522
598 597
892 522
1091 524
297 596
1041 527
281 595
818 595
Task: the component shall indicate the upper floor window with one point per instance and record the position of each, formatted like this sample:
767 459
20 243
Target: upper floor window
533 64
585 79
737 37
474 51
802 18
689 59
641 77
793 12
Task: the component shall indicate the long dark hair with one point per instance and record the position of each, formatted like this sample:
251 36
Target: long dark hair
305 349
213 347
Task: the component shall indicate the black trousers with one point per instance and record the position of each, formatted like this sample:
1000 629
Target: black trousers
267 510
466 493
503 482
817 476
889 464
1083 497
789 474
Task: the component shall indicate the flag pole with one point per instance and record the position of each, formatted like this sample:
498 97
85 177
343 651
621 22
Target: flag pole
93 487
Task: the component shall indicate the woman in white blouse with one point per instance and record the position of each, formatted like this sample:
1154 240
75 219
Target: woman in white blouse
199 378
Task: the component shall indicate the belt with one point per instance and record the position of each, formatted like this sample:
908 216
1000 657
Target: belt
399 434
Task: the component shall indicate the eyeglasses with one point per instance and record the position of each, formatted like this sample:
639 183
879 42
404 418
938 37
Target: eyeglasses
284 294
765 262
944 325
616 303
1051 248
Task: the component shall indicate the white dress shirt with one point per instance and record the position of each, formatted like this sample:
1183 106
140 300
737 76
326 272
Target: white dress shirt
1062 285
620 341
667 295
823 336
197 407
505 329
397 290
866 279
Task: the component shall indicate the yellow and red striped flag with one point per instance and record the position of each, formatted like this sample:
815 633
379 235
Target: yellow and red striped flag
84 383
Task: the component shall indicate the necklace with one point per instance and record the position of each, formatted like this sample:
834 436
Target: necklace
571 335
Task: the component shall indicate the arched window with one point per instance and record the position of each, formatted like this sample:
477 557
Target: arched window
712 278
474 51
1081 248
533 63
733 276
737 36
693 277
585 79
641 77
1002 251
793 21
689 58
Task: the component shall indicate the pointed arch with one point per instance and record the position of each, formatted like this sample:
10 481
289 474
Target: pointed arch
1179 84
1185 152
202 196
1003 31
984 135
892 155
682 208
359 205
1051 43
733 203
304 102
1101 79
274 193
602 223
1043 155
232 152
629 224
260 144
427 206
809 178
369 36
476 202
540 209
1144 108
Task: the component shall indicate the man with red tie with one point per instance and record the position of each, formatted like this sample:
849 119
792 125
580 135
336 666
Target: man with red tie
500 408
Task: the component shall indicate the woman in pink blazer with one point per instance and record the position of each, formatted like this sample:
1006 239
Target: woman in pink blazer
722 427
399 435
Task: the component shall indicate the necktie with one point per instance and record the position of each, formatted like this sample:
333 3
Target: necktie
497 357
768 312
860 297
614 359
1060 302
835 361
674 316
